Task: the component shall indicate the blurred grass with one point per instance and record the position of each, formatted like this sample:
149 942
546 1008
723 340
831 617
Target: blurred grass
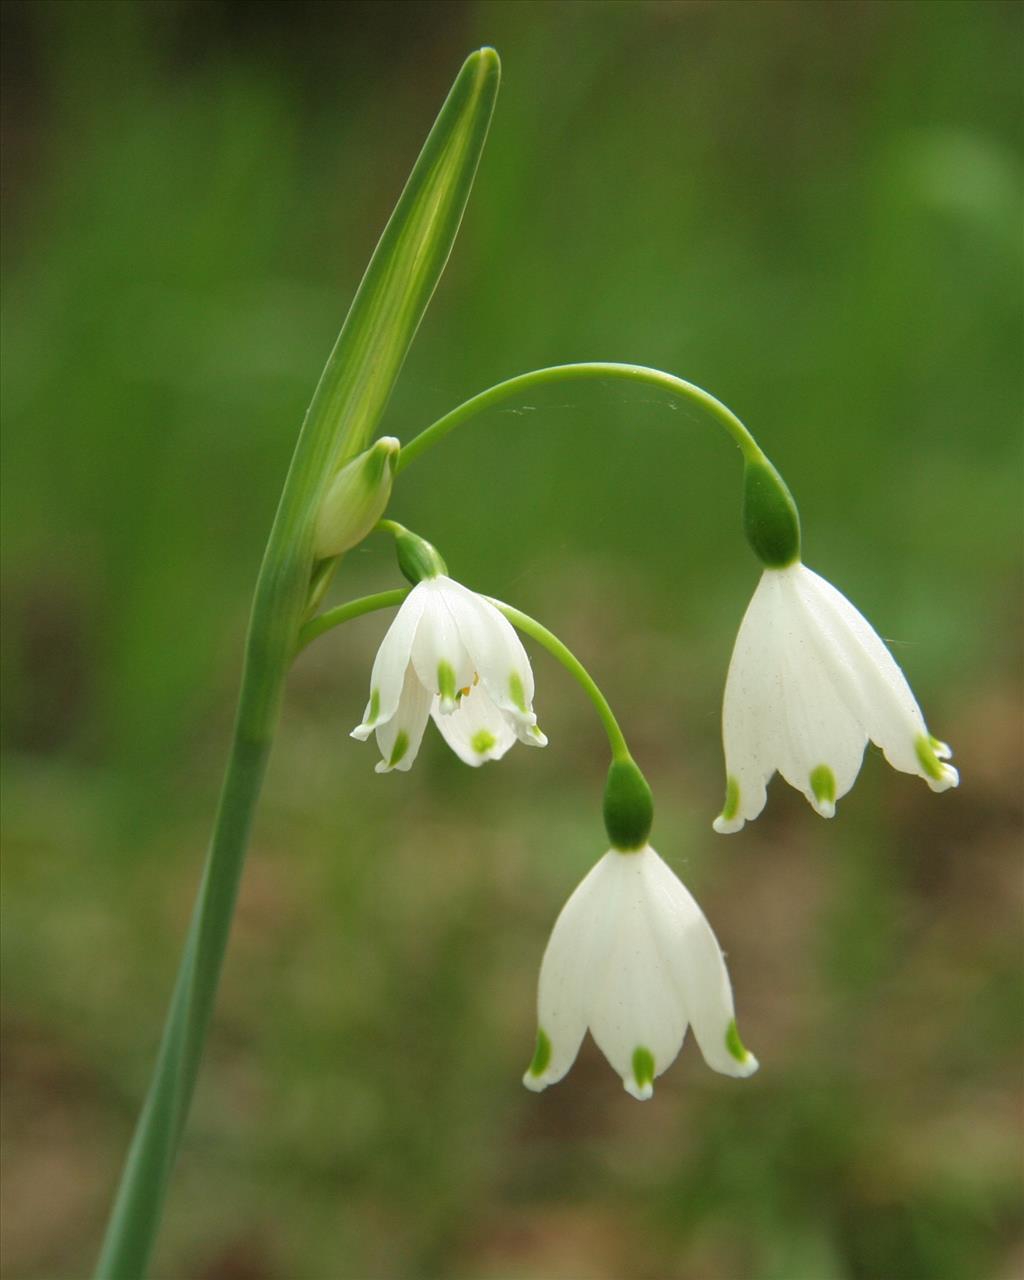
811 209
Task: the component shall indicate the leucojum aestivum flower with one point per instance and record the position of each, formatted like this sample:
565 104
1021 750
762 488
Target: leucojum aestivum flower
631 957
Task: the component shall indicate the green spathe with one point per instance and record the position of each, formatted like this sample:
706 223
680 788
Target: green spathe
770 518
346 408
628 807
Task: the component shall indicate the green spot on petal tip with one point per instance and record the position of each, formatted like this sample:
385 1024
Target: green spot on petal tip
374 707
928 757
446 682
732 799
400 748
541 1055
643 1067
482 741
734 1044
516 692
823 785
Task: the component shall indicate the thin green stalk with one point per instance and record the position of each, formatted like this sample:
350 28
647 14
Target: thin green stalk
131 1230
514 387
536 631
331 618
345 410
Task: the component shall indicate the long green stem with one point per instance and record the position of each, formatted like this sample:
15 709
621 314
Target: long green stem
131 1230
345 410
605 370
536 631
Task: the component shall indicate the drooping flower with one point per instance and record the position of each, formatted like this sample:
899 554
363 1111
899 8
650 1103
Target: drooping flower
809 683
451 655
633 959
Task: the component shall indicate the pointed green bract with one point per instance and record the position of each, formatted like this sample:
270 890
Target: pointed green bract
345 411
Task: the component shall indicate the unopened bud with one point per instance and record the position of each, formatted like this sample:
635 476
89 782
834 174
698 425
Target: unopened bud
356 499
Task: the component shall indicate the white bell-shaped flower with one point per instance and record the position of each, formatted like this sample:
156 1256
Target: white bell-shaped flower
632 957
449 654
809 683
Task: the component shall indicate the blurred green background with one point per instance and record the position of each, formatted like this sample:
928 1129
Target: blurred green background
811 209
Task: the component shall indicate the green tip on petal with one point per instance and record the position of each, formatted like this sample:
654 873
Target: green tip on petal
928 756
446 683
541 1055
643 1070
823 788
729 819
399 749
482 741
734 1044
732 799
374 707
517 693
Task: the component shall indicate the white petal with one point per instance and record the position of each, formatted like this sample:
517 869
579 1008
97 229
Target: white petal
477 731
752 708
441 660
886 705
698 968
498 655
390 665
565 974
822 742
635 1006
399 740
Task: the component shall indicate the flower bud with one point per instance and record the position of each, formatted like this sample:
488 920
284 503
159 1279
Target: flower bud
356 499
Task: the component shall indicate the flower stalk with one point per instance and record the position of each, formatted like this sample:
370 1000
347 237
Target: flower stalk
346 408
